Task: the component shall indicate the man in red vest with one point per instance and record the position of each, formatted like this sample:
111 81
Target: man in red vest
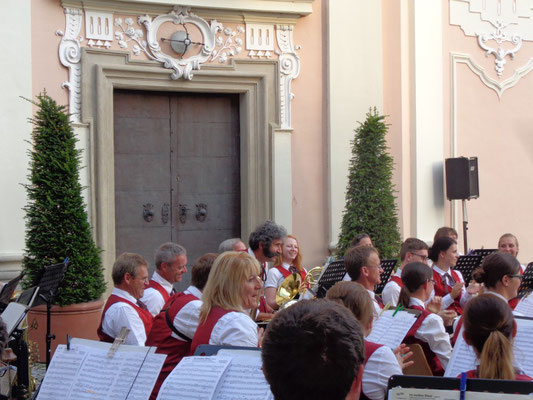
171 264
364 266
123 309
412 250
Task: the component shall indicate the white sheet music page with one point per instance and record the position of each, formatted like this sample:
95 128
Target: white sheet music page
463 358
525 306
194 378
61 373
523 345
244 379
389 330
399 393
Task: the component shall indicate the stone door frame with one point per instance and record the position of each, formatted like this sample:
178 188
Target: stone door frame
256 82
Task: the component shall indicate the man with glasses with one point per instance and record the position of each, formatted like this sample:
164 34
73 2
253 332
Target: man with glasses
412 250
123 309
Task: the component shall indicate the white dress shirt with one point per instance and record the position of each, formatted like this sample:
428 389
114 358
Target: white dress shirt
234 329
194 291
381 365
377 308
154 300
432 332
275 277
447 300
122 314
391 291
186 320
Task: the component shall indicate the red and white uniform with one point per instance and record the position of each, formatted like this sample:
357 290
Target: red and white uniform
120 310
183 309
380 365
376 300
443 290
156 294
430 333
226 328
391 291
277 274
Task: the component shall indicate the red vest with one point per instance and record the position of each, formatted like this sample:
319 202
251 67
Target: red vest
157 286
203 333
441 289
370 348
144 315
397 280
514 302
161 337
286 273
431 357
457 330
472 374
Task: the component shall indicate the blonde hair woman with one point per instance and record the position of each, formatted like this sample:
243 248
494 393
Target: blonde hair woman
232 289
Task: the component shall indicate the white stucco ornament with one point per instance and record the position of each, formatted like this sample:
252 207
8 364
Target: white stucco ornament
499 26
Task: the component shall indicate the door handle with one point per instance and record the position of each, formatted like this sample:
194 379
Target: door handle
148 212
201 212
182 213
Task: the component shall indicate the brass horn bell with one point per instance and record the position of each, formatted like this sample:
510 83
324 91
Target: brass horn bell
289 289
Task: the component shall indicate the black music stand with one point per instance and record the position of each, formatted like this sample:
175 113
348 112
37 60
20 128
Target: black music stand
466 264
387 266
332 273
7 291
472 385
527 281
49 282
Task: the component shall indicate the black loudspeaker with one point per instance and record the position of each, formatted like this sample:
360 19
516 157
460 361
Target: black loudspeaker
462 178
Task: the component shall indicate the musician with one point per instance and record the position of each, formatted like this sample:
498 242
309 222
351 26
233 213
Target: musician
288 262
380 361
319 340
449 283
363 266
232 288
130 277
265 243
489 327
500 275
428 330
234 244
412 250
362 239
508 243
176 324
171 264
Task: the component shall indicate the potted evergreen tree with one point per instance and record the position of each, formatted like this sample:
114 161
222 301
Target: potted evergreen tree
57 227
370 201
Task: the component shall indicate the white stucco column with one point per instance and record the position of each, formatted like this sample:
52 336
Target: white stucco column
15 81
355 84
427 187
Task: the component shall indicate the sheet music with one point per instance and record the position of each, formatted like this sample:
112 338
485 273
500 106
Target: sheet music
244 379
389 330
129 374
194 378
525 306
12 315
464 359
61 373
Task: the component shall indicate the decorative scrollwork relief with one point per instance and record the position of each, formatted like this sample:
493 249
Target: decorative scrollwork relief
132 33
70 55
289 63
229 46
499 54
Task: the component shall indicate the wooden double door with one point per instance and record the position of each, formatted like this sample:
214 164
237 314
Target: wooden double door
177 172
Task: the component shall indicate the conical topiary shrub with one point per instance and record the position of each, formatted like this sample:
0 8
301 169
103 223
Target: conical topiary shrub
56 219
370 206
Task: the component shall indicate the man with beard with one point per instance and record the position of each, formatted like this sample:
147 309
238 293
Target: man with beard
265 244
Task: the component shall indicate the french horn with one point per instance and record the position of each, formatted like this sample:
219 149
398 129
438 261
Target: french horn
288 290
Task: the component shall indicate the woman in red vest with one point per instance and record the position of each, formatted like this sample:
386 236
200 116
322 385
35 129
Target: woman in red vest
428 330
232 288
489 327
508 243
501 276
380 361
449 284
288 262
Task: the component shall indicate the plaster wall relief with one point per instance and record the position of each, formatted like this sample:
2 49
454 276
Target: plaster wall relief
500 28
154 38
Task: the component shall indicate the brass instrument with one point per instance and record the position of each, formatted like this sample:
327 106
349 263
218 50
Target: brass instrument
288 290
311 279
